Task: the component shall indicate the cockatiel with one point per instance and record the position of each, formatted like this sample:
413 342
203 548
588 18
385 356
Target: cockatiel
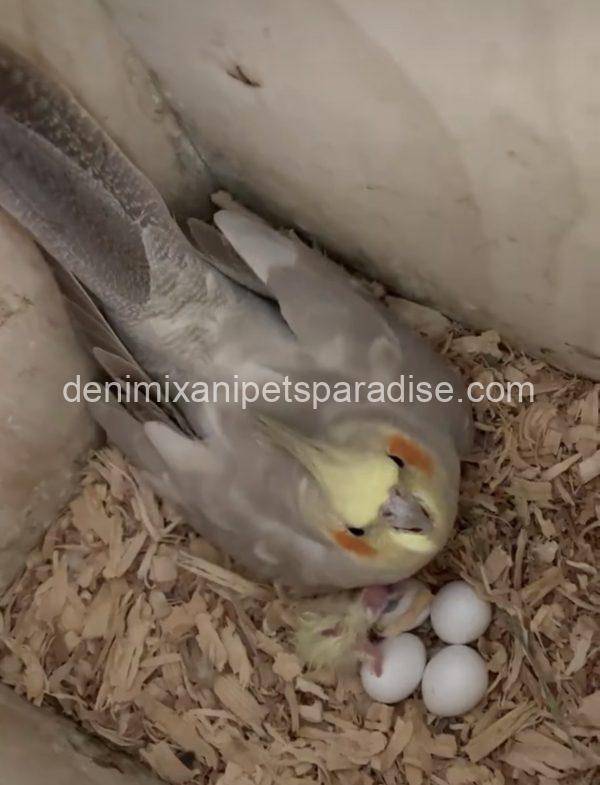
340 495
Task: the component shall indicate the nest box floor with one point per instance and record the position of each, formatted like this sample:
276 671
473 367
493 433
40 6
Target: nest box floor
126 620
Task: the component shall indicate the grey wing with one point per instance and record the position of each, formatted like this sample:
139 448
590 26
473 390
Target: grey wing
86 315
219 253
111 353
343 328
136 388
315 296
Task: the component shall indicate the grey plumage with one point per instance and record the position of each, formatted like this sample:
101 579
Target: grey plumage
267 484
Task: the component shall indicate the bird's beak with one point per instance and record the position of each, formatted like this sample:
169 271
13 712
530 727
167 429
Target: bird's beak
405 514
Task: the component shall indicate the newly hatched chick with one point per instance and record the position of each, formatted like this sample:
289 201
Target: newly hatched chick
338 631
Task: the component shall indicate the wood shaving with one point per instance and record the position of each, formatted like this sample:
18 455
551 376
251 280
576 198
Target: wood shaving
126 620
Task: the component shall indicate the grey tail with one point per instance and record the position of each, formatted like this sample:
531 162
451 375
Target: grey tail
68 183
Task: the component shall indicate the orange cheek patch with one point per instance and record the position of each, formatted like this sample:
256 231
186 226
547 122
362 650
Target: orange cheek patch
351 543
410 453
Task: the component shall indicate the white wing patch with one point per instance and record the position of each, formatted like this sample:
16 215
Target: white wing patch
260 246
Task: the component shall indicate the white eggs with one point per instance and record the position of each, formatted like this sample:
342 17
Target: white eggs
403 660
458 615
456 677
454 681
411 589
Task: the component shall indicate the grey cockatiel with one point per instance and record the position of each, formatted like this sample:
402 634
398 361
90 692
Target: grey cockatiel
342 495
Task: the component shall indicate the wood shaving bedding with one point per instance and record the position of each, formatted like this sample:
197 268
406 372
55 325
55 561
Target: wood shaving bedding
129 622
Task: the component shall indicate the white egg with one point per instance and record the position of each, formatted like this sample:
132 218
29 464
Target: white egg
411 588
458 615
403 661
454 682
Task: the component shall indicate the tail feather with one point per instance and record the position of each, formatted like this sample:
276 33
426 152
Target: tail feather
67 182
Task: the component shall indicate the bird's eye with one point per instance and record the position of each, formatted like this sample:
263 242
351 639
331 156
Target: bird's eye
398 461
356 531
